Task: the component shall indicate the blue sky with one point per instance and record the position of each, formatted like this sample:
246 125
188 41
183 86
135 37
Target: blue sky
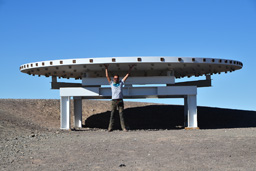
33 30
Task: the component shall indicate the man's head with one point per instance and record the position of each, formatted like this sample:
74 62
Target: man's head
116 78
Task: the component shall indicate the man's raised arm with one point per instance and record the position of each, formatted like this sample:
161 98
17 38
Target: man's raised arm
127 75
106 70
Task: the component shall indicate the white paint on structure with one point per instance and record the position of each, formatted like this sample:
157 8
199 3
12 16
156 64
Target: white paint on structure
147 70
144 66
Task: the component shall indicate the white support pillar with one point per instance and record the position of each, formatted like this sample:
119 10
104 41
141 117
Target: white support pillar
78 112
191 112
65 112
185 111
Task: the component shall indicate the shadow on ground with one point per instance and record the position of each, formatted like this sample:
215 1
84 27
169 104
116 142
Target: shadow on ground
172 117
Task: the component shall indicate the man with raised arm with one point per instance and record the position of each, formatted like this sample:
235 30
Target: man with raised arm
117 98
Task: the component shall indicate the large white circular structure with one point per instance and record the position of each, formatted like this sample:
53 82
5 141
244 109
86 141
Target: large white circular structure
144 66
147 70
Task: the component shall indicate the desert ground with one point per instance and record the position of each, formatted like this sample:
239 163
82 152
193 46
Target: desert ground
30 138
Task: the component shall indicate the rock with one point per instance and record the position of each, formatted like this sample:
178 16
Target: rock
122 165
32 135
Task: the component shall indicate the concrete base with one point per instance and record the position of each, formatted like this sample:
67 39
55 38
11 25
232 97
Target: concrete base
191 128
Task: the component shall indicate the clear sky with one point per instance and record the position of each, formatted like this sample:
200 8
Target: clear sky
33 31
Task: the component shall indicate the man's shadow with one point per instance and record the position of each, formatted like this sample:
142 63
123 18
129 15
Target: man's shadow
172 117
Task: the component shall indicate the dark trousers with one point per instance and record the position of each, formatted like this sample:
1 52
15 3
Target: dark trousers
117 104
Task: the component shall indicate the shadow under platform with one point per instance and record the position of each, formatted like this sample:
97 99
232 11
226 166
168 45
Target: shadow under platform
172 117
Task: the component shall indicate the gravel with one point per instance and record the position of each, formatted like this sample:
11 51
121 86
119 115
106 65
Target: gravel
31 140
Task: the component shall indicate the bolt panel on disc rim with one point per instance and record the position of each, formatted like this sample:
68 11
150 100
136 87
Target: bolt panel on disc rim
144 66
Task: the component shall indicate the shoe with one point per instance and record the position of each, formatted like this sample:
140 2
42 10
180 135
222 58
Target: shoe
125 130
110 130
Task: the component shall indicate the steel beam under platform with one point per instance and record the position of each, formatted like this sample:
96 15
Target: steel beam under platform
189 94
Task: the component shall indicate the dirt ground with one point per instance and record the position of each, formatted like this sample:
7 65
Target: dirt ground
30 138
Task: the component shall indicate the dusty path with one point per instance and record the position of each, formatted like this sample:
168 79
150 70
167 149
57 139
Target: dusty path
27 144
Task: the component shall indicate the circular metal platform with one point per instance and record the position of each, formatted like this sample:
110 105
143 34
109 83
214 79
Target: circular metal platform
144 66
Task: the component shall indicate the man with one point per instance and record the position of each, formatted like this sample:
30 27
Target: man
117 98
